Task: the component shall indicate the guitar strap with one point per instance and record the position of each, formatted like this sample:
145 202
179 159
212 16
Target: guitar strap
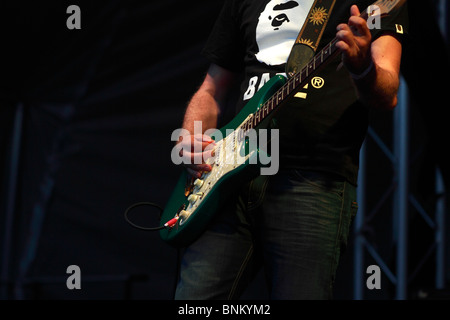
309 36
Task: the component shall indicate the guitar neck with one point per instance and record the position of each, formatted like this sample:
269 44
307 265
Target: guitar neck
379 8
292 85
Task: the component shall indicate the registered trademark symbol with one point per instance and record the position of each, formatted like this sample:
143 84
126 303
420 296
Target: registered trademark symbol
317 82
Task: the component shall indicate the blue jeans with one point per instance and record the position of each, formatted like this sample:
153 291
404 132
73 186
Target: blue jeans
294 224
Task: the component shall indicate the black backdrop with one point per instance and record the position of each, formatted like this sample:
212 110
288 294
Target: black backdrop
99 106
94 111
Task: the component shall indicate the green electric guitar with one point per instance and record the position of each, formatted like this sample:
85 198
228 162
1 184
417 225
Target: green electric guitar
193 203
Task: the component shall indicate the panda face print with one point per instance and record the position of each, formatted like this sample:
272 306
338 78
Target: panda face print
278 27
281 18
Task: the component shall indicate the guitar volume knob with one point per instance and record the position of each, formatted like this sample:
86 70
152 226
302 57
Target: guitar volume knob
192 198
198 183
183 216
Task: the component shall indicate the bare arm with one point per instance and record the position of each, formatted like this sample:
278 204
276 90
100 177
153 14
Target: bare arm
207 103
377 62
205 106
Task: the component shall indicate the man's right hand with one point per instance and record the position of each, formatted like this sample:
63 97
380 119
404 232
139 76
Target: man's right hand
195 150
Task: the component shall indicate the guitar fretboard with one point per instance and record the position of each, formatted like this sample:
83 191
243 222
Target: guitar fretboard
291 87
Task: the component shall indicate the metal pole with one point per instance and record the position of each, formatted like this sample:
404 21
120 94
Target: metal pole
440 231
401 150
442 13
440 187
11 199
358 263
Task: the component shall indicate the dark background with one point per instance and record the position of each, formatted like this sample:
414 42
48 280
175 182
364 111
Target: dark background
86 118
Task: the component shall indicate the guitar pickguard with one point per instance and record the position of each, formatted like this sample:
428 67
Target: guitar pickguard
228 154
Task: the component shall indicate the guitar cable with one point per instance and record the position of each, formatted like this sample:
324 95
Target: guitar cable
168 224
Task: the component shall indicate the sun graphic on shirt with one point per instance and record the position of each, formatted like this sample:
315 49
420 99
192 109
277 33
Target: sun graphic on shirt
318 15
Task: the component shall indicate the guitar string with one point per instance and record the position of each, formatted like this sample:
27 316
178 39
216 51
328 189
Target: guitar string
326 53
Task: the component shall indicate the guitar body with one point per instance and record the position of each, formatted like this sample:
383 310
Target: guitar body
196 208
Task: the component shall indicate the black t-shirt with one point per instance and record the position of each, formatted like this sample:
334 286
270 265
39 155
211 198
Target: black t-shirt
323 126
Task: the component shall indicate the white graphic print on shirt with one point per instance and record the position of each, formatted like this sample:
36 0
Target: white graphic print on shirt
278 27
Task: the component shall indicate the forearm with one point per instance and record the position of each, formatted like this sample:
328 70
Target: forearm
205 105
202 113
374 65
202 107
378 88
